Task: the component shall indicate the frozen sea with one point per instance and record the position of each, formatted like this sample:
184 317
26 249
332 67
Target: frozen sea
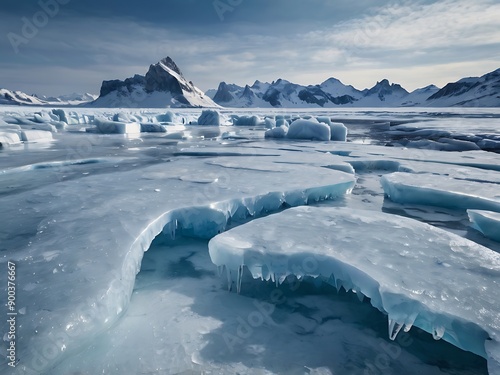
165 247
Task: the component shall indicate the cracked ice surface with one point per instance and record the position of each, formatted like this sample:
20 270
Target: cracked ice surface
78 230
419 275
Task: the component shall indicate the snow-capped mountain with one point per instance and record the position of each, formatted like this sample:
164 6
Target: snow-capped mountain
418 97
481 91
331 93
383 93
9 97
162 86
70 99
18 98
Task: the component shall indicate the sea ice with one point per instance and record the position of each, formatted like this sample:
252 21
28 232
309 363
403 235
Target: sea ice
115 127
246 120
209 117
309 129
419 275
441 191
9 138
278 132
35 135
486 222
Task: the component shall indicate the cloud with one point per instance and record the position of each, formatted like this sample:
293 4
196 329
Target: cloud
355 42
410 26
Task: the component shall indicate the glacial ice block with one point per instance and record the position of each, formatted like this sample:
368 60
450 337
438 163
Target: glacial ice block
78 241
209 117
441 191
419 275
487 222
36 135
115 127
308 129
9 138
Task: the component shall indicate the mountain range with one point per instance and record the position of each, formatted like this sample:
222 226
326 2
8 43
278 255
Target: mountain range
164 85
468 92
20 98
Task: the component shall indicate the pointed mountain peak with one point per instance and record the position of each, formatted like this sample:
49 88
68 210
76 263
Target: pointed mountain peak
247 93
331 80
223 95
384 82
169 63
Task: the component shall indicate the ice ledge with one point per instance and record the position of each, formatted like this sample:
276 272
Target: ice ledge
487 222
420 275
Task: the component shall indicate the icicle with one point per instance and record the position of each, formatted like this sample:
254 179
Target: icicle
174 227
331 280
282 278
220 270
394 328
229 280
437 333
360 295
240 277
338 285
409 321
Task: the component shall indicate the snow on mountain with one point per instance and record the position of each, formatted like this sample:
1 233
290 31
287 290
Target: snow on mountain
331 93
162 86
70 99
419 96
383 93
20 98
481 91
336 88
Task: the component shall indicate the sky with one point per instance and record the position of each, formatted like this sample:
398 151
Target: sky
54 47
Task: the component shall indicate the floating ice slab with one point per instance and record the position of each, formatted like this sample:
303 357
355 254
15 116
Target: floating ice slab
277 132
339 132
441 191
419 275
209 117
79 241
36 135
487 222
309 129
246 120
115 127
153 128
9 138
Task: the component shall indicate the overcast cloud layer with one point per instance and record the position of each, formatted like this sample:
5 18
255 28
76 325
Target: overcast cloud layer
414 43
